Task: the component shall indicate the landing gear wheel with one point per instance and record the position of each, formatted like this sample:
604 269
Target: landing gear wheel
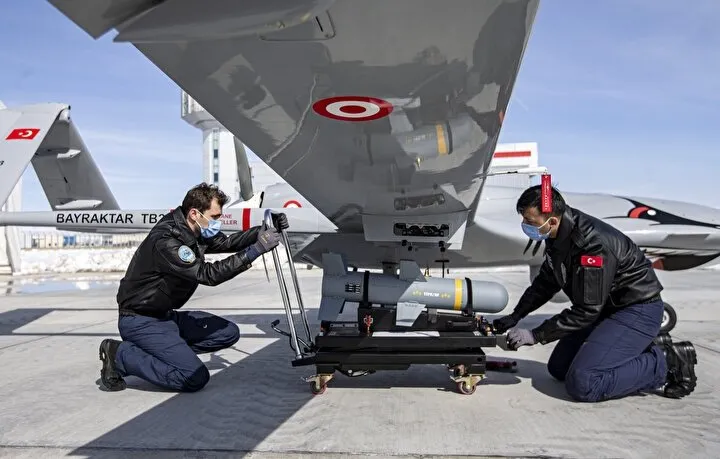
316 388
669 319
465 388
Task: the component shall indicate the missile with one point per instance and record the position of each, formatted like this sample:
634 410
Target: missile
410 291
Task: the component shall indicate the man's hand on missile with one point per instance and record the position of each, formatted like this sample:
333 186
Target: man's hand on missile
280 221
504 324
520 337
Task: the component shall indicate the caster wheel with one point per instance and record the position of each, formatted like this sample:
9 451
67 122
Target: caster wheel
316 388
466 389
669 319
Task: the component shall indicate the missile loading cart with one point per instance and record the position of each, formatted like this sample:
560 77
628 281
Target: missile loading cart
445 329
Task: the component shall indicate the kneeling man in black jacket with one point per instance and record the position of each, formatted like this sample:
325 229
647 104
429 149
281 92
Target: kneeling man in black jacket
160 343
607 345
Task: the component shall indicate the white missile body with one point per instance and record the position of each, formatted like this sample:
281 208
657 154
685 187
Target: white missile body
409 291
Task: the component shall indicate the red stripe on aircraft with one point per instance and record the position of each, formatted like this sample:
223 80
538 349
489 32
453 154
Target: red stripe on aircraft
246 219
512 154
636 212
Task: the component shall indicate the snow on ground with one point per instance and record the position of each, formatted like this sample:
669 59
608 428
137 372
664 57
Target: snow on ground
37 261
74 260
116 260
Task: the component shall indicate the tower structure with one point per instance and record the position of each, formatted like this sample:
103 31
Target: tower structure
219 158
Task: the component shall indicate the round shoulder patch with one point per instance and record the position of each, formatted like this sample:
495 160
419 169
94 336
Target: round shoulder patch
186 254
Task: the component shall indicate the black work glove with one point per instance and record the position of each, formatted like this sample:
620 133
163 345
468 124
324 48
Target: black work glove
520 337
267 239
280 221
504 324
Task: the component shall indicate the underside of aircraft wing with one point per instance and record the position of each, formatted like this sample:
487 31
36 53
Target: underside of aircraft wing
383 114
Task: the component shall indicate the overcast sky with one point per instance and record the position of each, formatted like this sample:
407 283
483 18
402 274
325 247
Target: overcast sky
623 96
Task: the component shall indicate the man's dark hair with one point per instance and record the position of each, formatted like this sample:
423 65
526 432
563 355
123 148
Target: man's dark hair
200 197
532 197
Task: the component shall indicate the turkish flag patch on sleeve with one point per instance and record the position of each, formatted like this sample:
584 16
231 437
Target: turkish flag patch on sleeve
593 261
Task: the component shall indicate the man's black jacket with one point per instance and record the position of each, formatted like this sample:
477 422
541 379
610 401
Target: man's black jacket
598 267
170 263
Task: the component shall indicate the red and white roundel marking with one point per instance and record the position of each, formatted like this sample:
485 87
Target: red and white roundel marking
292 203
353 108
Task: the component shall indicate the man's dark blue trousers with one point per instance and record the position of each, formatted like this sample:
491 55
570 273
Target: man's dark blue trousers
614 357
164 351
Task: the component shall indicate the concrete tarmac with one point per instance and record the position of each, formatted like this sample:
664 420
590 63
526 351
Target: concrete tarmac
257 406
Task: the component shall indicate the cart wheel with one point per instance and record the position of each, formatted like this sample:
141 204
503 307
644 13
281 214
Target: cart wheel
465 389
316 388
669 319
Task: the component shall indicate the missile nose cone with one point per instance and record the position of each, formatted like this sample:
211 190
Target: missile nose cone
489 297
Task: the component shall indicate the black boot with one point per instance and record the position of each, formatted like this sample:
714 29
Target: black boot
681 361
662 340
108 374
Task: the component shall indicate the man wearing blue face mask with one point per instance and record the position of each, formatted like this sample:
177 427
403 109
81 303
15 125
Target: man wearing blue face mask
160 344
606 342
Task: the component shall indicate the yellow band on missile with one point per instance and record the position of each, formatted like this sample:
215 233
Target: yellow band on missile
458 294
441 140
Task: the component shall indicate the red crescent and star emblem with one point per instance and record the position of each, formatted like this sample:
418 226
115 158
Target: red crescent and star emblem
22 134
593 261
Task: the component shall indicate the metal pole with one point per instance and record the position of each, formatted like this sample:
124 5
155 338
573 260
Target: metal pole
293 275
267 222
286 303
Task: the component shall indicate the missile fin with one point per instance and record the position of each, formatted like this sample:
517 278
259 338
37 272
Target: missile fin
333 264
407 312
410 271
330 308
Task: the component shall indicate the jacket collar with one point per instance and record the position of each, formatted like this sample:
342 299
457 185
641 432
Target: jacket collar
564 234
559 248
186 235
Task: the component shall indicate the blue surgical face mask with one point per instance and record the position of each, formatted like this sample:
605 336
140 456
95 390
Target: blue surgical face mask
533 232
212 229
